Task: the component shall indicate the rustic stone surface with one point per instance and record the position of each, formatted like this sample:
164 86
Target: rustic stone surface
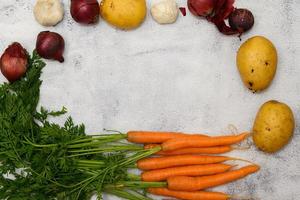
179 77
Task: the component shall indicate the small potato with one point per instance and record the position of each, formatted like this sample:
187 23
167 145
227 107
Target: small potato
257 63
273 126
124 14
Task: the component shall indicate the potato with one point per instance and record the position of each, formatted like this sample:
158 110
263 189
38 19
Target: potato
257 63
124 14
273 126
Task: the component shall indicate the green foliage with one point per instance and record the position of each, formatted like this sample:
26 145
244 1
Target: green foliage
21 125
50 161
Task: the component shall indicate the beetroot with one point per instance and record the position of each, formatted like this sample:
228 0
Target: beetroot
217 11
241 20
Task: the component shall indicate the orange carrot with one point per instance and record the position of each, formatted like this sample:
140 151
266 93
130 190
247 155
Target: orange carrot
186 142
146 137
203 150
193 170
180 160
199 195
185 183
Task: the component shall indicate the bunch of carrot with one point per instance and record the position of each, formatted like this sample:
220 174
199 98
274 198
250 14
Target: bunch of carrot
186 164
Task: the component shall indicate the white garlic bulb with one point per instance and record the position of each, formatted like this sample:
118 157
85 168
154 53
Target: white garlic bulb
48 12
165 12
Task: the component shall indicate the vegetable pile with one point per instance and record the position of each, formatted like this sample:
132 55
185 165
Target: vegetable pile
217 11
40 159
129 14
44 160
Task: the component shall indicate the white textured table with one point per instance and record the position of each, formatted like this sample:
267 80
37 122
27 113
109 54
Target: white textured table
179 77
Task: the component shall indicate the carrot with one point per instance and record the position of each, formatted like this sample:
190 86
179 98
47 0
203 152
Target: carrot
146 137
199 195
185 183
193 170
180 160
203 150
186 142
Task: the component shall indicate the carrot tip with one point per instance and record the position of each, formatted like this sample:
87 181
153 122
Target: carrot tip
232 128
247 134
234 166
240 159
237 147
237 197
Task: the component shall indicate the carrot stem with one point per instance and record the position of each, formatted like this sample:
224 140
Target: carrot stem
126 194
141 184
134 177
112 137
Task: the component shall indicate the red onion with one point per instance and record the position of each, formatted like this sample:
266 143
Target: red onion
183 11
217 11
50 45
241 20
223 9
219 6
202 8
225 29
85 11
14 62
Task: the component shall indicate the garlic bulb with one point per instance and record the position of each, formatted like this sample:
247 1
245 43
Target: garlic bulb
48 12
165 12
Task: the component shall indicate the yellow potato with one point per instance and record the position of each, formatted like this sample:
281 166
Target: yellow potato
257 63
273 126
124 14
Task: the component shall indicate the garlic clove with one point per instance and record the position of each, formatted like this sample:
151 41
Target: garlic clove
165 12
48 12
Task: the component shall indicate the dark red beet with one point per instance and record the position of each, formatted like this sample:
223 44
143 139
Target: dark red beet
241 20
14 62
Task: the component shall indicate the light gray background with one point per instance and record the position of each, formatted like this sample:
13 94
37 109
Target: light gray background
179 77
